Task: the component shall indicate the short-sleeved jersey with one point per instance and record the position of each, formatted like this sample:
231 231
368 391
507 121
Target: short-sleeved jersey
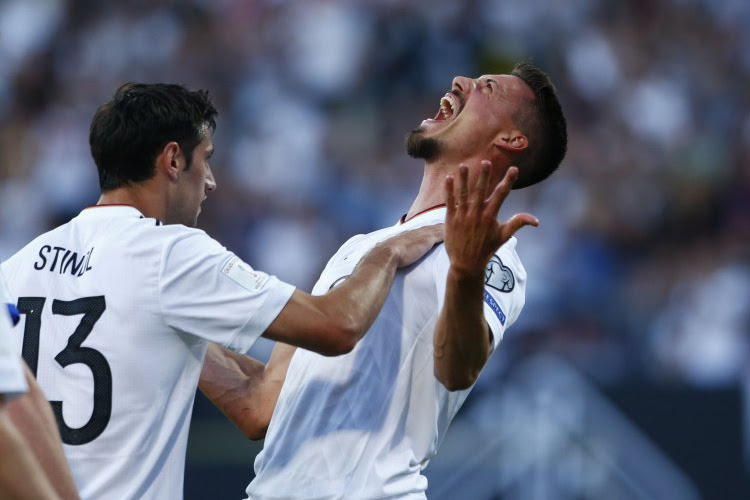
117 311
364 425
12 381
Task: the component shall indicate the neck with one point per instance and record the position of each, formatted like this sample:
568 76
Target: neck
431 191
147 201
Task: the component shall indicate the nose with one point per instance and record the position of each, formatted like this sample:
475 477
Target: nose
210 181
463 84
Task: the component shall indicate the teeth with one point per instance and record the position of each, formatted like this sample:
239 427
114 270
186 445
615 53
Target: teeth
447 107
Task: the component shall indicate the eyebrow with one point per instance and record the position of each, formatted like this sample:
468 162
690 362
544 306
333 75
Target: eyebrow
502 89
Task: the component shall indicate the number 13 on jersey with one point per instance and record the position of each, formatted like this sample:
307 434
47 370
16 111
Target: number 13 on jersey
91 309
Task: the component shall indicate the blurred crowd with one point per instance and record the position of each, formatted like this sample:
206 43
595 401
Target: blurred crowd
641 266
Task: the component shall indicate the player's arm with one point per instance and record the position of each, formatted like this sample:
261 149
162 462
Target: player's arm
21 476
32 417
244 389
472 235
331 324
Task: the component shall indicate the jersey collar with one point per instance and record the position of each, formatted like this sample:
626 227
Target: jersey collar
403 220
110 209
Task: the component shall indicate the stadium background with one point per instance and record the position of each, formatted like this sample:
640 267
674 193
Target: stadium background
626 376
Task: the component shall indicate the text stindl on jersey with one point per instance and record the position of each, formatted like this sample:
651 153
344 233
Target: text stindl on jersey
68 263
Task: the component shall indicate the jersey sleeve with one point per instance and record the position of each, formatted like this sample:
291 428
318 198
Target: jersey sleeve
504 288
207 291
12 381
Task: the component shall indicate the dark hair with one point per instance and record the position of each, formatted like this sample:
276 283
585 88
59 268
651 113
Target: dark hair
128 132
545 124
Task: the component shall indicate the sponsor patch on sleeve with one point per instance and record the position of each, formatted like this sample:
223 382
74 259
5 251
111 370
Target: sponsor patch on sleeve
244 275
490 301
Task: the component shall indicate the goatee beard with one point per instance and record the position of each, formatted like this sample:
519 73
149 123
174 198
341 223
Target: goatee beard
418 146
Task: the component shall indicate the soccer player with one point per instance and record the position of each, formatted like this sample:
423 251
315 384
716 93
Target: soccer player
32 465
364 425
120 302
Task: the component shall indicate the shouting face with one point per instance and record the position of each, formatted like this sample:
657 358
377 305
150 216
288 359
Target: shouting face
474 116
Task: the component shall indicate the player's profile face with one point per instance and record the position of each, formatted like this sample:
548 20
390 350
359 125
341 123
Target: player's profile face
195 181
470 117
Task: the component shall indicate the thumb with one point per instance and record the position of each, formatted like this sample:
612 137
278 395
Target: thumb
517 222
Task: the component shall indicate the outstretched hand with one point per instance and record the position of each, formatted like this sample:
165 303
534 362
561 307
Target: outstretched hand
472 231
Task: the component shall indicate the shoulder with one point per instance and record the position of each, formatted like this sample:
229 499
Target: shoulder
168 237
353 242
28 252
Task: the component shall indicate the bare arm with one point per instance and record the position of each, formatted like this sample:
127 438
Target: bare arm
32 416
331 324
472 235
21 476
244 389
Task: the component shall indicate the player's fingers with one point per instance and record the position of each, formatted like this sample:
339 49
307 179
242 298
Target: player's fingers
517 222
501 191
450 198
480 191
463 185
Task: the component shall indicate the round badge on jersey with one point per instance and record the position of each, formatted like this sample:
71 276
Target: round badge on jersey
499 276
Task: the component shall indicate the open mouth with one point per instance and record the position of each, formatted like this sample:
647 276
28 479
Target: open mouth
450 107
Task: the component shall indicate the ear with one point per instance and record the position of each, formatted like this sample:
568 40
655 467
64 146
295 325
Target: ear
512 141
171 161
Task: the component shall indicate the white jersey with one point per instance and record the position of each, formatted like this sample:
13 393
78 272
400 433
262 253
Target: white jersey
117 311
364 425
12 381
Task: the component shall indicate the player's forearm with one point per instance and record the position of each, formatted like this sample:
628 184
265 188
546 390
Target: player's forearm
21 476
244 389
333 323
357 301
461 342
32 416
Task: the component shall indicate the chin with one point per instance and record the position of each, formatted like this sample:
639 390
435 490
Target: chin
419 146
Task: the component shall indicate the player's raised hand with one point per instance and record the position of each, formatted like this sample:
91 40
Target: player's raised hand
472 231
409 246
